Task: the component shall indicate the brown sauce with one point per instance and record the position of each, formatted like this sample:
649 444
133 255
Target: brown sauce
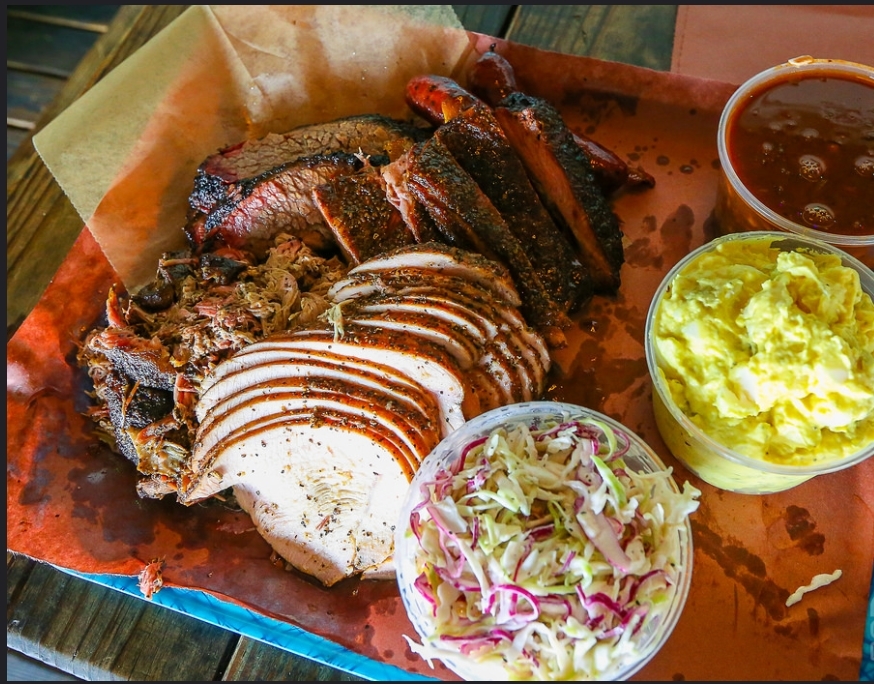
805 149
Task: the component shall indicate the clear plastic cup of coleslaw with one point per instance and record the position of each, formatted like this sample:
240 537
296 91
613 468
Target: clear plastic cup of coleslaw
544 540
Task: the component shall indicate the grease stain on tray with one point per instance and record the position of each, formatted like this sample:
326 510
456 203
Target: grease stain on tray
800 529
677 233
598 106
813 622
640 254
747 569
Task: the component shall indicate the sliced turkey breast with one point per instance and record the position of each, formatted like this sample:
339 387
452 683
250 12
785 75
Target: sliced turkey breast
438 258
408 281
412 429
451 337
494 343
265 370
428 363
486 388
407 284
495 327
323 488
390 427
457 329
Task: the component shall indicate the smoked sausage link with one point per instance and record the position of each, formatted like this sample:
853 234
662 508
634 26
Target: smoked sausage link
437 99
492 78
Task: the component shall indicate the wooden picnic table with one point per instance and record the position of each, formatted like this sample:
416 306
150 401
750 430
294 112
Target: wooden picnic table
94 632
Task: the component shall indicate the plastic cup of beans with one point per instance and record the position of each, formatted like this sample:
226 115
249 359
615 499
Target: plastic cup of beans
796 146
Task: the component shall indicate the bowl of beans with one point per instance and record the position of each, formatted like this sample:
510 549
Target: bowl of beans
796 147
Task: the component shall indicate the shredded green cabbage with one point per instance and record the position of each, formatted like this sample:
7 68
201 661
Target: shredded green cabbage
543 556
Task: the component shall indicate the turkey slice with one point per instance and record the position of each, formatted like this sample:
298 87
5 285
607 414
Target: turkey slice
443 259
268 369
323 488
425 362
414 433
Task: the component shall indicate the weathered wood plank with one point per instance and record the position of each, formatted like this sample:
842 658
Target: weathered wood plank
41 224
600 31
488 19
90 17
56 49
255 661
27 95
22 668
34 76
94 632
14 137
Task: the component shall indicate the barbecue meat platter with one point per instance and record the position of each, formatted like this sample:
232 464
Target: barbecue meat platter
352 292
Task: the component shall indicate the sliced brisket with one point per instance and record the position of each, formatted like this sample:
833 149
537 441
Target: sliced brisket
480 146
563 177
278 201
362 219
460 208
369 134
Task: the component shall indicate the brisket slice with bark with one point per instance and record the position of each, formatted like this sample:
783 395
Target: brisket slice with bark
478 143
468 220
563 177
132 408
369 134
362 219
278 201
145 361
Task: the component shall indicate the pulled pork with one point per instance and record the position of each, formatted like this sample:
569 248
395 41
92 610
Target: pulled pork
148 363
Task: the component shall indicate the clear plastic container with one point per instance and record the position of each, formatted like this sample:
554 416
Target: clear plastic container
737 208
719 464
639 458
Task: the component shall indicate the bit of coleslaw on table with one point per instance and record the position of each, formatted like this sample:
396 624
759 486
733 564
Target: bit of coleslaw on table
542 554
817 582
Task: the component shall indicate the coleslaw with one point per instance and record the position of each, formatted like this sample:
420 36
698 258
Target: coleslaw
541 553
